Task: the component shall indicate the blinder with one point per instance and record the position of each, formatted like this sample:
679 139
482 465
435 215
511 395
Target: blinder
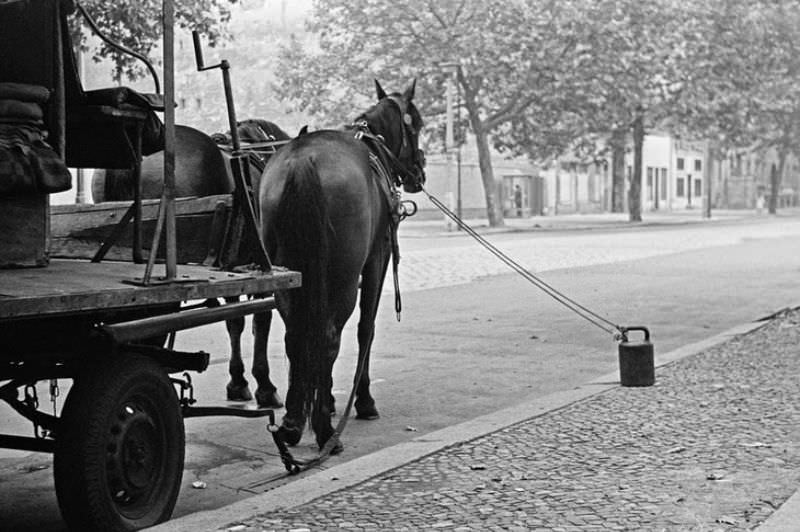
413 178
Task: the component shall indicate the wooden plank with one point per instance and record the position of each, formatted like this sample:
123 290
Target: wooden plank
67 218
78 230
69 286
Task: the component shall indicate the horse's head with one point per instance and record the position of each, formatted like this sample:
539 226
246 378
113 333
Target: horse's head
260 130
400 123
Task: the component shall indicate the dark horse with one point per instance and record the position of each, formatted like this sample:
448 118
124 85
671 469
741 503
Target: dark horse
201 170
327 211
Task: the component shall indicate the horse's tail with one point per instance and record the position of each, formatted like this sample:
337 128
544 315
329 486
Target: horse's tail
301 222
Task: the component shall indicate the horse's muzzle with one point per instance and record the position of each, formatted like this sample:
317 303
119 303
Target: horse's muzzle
415 185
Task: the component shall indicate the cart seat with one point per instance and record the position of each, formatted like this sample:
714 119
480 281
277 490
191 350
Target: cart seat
106 128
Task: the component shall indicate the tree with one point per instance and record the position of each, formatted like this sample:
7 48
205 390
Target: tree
624 74
511 56
744 85
137 26
630 78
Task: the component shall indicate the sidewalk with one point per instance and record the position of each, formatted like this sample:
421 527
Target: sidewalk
434 224
714 445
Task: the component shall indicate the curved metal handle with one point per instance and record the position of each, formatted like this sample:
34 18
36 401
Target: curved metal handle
642 328
92 24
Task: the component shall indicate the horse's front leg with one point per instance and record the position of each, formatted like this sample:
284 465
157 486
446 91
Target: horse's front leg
237 387
266 394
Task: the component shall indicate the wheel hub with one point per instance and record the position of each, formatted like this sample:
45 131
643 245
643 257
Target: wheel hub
134 456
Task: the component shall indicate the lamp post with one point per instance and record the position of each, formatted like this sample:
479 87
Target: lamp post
451 139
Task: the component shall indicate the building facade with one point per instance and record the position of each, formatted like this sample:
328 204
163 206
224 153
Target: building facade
677 174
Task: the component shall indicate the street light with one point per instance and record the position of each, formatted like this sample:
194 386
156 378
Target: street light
452 140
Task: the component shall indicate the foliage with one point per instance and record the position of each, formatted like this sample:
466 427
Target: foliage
510 56
744 85
137 26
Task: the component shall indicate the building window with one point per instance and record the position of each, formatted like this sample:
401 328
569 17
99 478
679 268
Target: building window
698 165
663 183
680 163
679 191
698 188
650 183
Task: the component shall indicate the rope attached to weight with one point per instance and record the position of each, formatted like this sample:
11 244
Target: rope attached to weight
587 314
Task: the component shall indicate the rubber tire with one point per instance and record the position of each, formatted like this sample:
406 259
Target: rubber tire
127 404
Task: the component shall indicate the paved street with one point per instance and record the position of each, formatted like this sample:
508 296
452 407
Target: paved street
433 258
473 342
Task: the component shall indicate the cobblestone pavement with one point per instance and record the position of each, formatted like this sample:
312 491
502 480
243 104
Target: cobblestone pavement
466 261
714 445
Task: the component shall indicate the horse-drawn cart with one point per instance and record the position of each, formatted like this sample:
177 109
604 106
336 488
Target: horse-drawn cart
108 327
118 441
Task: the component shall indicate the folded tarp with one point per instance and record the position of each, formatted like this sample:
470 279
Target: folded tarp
23 92
20 110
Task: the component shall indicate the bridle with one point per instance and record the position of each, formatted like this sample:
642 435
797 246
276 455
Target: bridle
399 170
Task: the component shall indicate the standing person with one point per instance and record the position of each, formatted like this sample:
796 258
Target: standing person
518 200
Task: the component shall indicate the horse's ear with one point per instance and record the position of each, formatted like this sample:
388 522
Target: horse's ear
379 90
409 94
303 131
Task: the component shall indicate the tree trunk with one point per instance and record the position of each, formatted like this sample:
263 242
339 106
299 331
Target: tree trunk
494 207
617 144
775 180
635 198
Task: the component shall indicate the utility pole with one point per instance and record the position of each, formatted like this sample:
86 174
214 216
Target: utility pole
709 176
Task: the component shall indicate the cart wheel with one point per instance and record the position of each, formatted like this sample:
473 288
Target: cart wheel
119 449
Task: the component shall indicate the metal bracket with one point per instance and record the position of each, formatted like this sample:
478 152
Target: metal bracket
185 385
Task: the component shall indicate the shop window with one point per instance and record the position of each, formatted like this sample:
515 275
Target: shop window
698 188
663 183
650 183
679 190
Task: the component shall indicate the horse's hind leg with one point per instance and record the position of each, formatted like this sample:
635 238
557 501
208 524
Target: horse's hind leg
294 420
266 394
371 283
321 416
237 387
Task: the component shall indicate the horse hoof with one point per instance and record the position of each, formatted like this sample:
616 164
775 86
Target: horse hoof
238 392
268 399
336 449
367 412
290 435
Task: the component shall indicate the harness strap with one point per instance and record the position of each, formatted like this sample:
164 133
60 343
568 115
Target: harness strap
378 146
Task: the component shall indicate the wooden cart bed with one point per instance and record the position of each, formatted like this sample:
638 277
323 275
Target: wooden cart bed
73 286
